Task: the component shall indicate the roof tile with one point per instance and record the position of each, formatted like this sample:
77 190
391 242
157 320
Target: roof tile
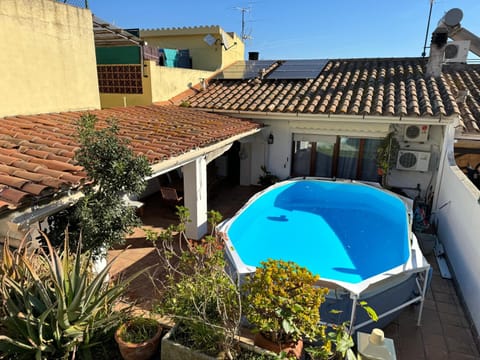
385 87
37 151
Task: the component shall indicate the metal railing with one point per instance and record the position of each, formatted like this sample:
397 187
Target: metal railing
77 3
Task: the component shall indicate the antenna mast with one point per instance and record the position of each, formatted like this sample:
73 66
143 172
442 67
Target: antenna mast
243 10
428 28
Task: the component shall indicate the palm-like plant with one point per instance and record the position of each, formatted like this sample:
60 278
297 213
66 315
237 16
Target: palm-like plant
53 304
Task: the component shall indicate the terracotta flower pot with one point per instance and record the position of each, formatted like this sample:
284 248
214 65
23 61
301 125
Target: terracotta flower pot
140 351
290 349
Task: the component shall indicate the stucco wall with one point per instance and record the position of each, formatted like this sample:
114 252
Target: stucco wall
457 212
167 82
408 180
277 156
204 56
159 84
47 57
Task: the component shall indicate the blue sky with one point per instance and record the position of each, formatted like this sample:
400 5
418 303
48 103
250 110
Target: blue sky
301 29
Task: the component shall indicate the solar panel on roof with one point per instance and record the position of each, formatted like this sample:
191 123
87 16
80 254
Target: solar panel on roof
298 69
244 69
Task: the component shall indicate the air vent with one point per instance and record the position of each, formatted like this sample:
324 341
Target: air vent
416 133
413 160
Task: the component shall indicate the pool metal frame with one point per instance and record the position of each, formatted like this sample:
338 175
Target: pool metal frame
415 265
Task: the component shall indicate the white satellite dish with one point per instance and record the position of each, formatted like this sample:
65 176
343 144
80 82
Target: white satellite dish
453 17
209 39
225 41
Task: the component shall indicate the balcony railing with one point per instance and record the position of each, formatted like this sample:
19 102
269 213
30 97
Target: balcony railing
77 3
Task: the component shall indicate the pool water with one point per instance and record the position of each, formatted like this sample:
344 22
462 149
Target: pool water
339 230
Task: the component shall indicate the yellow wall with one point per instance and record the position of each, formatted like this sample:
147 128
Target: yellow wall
168 82
204 56
47 58
159 84
235 53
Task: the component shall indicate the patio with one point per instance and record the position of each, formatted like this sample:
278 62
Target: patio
445 332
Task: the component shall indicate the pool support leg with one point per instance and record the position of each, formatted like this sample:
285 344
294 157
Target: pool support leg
354 309
424 292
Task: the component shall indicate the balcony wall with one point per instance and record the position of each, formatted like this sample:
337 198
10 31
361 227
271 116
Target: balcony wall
168 82
457 214
158 83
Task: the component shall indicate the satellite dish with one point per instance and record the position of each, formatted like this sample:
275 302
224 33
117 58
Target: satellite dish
209 39
225 41
453 17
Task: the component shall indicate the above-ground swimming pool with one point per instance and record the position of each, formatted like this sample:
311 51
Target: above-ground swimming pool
355 236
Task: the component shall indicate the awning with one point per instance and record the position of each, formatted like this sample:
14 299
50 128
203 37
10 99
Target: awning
108 35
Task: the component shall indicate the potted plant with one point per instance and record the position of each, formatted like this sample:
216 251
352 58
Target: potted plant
334 344
282 303
335 340
138 338
386 155
53 305
267 178
197 294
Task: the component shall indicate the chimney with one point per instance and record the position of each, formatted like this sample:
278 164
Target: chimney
253 55
437 47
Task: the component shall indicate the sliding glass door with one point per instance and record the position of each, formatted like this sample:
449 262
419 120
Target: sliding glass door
334 156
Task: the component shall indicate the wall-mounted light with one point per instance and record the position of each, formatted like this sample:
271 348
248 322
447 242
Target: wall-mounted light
270 139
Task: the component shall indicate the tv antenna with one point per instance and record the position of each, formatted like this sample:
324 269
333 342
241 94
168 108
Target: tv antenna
428 28
244 10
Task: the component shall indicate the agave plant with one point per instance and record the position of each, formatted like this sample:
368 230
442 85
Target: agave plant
53 304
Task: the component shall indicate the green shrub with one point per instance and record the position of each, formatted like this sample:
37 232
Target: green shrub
282 302
197 292
113 170
53 305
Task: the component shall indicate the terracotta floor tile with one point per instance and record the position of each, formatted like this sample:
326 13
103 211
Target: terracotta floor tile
432 351
437 340
454 319
447 298
442 285
460 340
444 308
460 356
430 304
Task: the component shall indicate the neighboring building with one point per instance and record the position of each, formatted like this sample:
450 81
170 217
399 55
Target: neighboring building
47 52
129 71
134 73
210 47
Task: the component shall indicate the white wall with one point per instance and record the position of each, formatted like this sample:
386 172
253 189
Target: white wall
408 180
457 214
277 156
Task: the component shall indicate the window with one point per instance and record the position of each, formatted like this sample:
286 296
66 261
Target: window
334 156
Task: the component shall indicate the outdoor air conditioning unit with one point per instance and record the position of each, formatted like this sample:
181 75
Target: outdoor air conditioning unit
416 133
413 160
457 51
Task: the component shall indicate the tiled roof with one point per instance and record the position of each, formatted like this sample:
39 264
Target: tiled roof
383 87
464 81
36 151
